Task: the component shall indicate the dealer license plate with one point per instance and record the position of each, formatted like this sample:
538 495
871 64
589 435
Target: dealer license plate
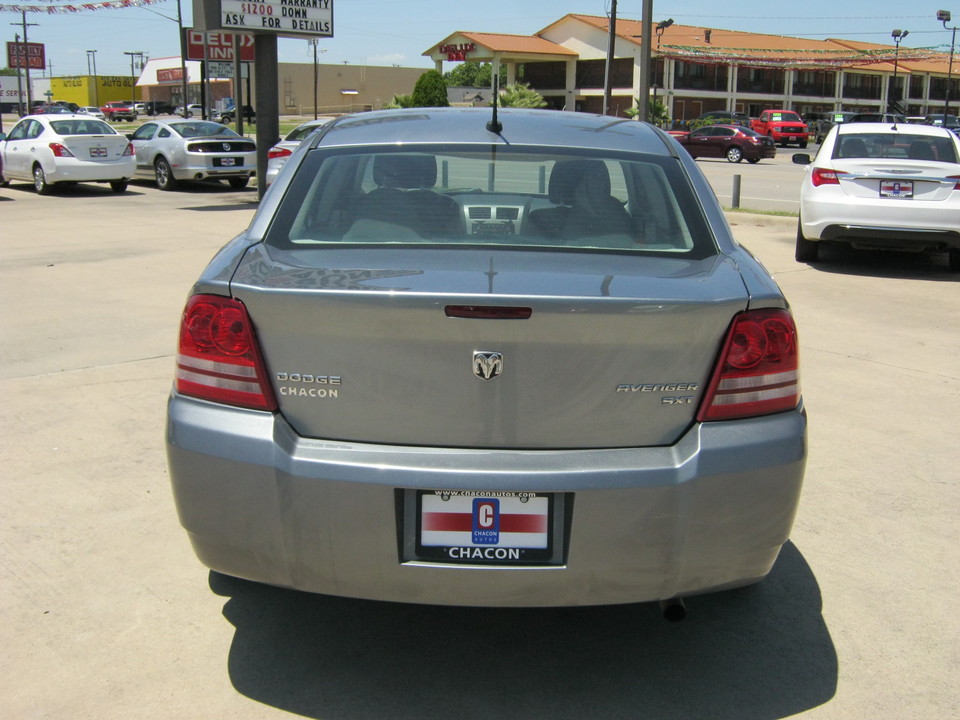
227 162
896 188
98 152
496 528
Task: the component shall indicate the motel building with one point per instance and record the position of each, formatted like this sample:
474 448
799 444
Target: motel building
695 70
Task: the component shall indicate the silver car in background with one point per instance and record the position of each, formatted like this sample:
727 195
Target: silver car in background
278 154
179 150
456 362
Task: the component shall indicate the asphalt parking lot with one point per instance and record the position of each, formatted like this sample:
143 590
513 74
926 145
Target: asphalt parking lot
107 614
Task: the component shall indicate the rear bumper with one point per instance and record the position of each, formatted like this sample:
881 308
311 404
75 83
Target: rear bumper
197 166
71 170
919 225
642 524
786 137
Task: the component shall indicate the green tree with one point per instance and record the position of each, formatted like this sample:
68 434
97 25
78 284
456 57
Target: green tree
656 112
399 101
521 96
473 74
8 71
430 90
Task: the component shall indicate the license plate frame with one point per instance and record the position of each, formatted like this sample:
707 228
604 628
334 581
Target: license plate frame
902 189
528 528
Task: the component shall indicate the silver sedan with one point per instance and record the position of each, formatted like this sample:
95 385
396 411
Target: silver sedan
179 150
456 362
278 154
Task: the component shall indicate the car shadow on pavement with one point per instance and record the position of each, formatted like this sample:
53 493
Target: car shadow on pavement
842 259
79 190
757 652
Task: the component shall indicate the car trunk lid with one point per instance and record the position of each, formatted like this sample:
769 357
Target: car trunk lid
895 179
397 346
96 148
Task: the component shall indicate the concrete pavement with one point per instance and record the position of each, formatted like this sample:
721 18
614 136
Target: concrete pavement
107 614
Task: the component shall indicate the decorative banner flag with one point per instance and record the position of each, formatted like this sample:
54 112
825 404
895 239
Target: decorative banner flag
65 9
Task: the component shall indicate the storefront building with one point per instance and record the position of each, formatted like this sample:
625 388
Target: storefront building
695 70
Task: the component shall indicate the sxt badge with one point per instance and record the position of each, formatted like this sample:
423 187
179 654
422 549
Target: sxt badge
486 521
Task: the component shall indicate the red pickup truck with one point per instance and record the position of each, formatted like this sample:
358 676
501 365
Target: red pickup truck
118 111
784 126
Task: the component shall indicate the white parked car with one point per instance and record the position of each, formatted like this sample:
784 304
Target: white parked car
47 150
882 186
92 112
193 110
278 154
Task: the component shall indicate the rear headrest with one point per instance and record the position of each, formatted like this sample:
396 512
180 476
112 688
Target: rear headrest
853 148
405 171
567 175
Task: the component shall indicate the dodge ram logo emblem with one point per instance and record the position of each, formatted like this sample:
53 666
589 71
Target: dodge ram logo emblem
487 365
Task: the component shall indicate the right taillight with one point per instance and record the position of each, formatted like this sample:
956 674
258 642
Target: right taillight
758 371
219 358
824 176
274 153
957 178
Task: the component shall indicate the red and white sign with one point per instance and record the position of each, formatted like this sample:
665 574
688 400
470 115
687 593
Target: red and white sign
471 521
457 52
26 55
219 46
170 75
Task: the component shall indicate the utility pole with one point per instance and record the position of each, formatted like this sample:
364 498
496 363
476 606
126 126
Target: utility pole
645 55
92 54
608 68
133 83
23 56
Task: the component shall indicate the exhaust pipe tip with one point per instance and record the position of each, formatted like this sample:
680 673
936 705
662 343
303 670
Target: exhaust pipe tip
673 610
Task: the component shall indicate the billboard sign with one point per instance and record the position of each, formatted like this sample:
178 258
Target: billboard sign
219 46
307 18
26 55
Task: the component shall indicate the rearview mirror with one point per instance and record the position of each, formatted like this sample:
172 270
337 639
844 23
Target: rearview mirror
801 159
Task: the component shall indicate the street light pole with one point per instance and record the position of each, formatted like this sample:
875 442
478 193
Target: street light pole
133 82
92 54
944 17
898 36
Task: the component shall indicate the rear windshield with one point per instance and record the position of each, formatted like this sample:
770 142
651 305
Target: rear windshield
201 128
301 132
81 127
514 197
899 145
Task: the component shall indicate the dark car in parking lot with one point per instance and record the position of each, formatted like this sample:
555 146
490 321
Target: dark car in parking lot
230 114
466 359
157 107
733 142
820 123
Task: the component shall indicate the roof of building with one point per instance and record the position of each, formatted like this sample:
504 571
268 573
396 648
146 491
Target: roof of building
715 45
524 45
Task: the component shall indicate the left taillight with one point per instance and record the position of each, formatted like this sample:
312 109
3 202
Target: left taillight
274 153
758 371
60 150
219 357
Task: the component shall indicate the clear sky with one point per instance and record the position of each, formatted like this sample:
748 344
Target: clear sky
388 32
